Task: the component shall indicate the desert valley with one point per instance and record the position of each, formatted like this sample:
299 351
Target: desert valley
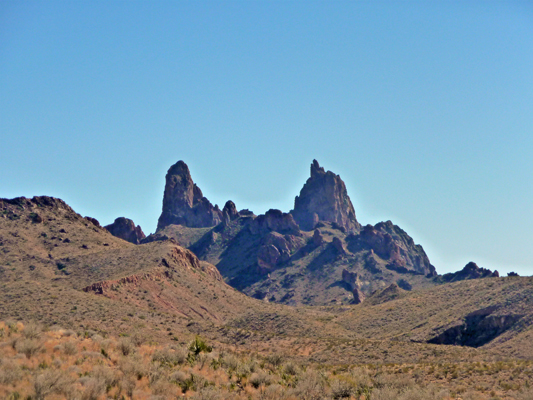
226 304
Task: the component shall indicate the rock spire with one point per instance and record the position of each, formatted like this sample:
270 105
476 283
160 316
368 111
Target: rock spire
184 203
324 198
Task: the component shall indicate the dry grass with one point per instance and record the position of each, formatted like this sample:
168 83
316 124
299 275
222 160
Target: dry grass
167 372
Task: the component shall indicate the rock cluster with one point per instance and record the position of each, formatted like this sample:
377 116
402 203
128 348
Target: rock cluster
392 243
324 198
274 220
125 228
184 203
470 271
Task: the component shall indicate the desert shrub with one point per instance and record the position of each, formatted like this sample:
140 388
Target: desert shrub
10 372
164 389
275 360
133 366
418 393
69 348
260 379
273 392
93 389
125 346
171 356
290 368
51 382
14 396
204 359
183 380
178 377
106 375
127 386
395 381
342 388
243 369
69 333
32 331
92 354
477 396
29 347
138 339
198 345
310 386
156 373
229 361
384 393
207 393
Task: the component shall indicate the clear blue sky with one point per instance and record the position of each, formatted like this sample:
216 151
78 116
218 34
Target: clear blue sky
424 108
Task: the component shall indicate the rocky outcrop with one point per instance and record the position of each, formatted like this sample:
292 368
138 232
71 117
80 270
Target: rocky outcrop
318 239
358 296
391 243
470 271
93 221
267 258
339 246
350 278
184 203
324 198
230 210
274 220
125 229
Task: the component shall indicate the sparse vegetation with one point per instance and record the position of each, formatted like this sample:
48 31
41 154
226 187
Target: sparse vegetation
176 371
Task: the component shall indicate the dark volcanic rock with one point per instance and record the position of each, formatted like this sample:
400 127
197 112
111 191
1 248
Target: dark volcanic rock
470 271
267 258
318 239
93 221
125 228
184 203
230 210
274 220
338 245
358 296
392 243
324 198
350 278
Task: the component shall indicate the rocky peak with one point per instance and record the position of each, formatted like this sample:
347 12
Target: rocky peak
324 198
183 201
230 210
125 228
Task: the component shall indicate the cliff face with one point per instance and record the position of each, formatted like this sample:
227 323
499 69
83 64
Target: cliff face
184 203
324 198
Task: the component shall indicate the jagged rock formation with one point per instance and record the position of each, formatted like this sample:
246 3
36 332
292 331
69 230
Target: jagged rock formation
297 257
324 198
274 220
125 228
184 203
392 243
470 271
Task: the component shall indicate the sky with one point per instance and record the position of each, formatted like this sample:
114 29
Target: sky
425 110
